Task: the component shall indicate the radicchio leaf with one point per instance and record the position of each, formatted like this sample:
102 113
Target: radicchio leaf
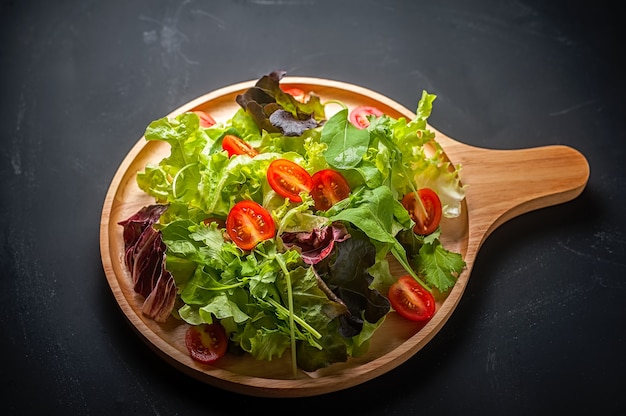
317 244
144 257
136 223
160 302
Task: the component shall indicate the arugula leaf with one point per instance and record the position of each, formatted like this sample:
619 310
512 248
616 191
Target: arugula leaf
376 212
346 144
381 217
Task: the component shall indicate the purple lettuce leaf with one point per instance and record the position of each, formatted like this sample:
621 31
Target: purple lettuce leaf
144 256
317 244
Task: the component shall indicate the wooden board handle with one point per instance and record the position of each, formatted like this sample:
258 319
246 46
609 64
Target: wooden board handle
503 184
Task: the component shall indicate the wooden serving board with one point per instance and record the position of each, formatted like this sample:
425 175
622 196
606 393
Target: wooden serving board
501 184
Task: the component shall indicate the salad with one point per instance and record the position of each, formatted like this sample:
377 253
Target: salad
272 232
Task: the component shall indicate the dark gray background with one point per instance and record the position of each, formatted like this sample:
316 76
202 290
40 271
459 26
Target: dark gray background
542 324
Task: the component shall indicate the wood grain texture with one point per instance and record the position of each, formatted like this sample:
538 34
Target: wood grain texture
501 184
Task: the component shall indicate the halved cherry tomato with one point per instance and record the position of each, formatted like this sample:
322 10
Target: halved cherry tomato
297 93
220 223
206 343
358 116
411 300
329 187
426 215
248 223
288 179
235 146
205 119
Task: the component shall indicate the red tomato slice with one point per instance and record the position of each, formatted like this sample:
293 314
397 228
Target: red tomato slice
220 223
248 223
235 146
206 343
329 187
288 179
426 219
358 116
205 119
411 300
297 93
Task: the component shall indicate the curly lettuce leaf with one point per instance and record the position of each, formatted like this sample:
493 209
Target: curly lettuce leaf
425 159
198 173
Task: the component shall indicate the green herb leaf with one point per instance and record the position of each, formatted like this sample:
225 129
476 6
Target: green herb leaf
439 266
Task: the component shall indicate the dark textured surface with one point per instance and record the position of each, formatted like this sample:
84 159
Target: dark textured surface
542 324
